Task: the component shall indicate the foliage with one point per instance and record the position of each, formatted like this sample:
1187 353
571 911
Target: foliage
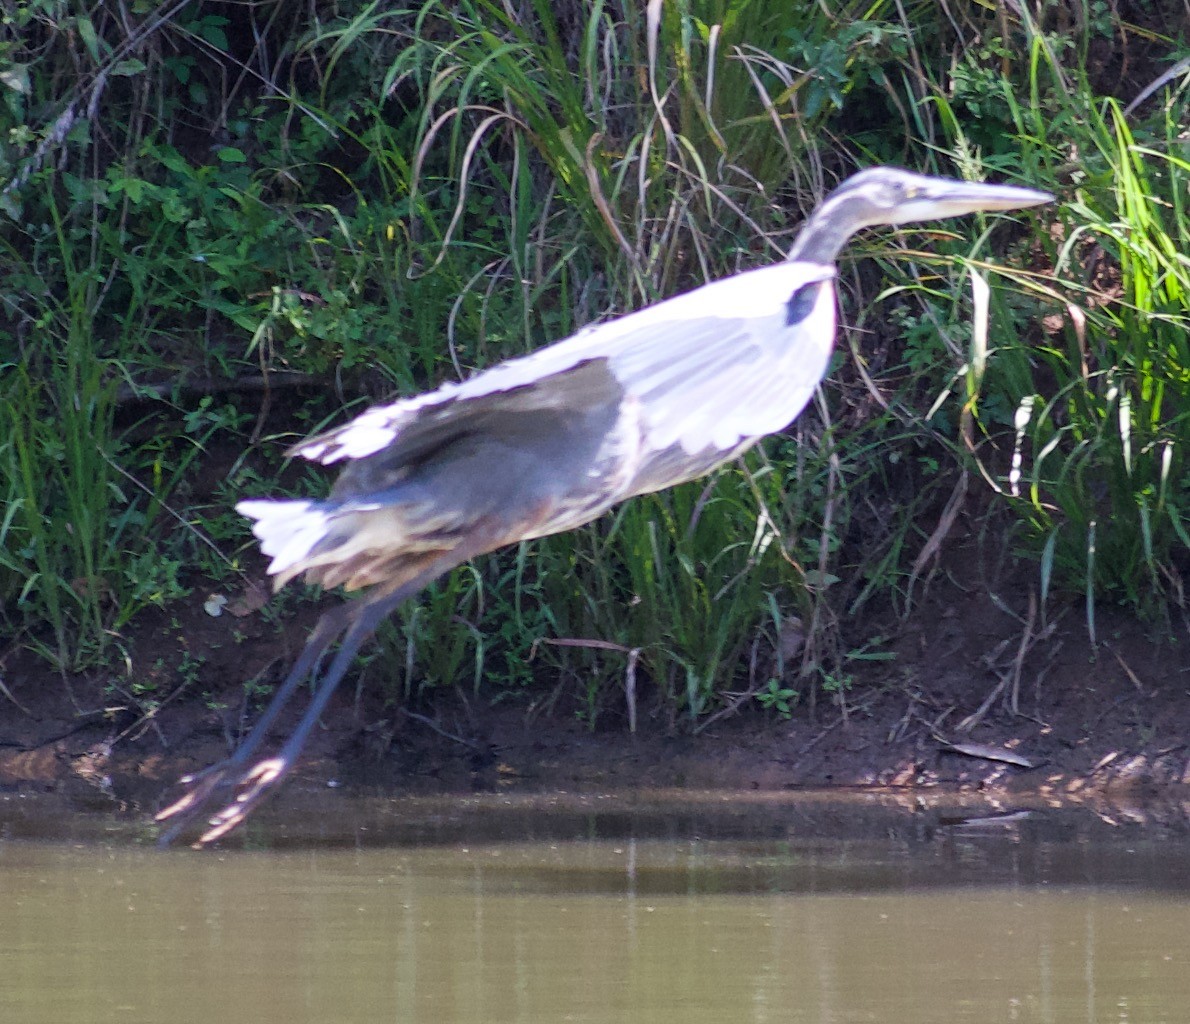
201 198
1100 407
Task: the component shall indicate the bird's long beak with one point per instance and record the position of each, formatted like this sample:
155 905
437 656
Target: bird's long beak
940 197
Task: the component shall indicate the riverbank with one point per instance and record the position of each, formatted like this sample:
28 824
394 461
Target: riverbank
940 714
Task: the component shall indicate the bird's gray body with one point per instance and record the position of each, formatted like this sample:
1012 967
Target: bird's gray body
543 444
548 442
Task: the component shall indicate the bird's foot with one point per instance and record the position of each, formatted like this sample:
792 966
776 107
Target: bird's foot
250 788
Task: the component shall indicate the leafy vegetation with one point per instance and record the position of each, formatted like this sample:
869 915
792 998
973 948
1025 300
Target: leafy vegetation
218 221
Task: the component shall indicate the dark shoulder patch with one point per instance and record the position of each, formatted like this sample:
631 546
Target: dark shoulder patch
801 302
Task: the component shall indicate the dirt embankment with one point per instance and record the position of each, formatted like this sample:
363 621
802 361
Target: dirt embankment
984 694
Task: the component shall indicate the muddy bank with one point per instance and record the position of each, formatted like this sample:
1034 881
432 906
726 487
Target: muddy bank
984 696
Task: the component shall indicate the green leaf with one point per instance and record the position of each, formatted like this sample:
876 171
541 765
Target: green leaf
211 30
16 77
90 38
128 68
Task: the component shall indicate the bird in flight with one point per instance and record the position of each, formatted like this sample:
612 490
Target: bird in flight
548 442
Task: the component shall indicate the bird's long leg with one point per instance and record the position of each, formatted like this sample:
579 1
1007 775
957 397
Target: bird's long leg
228 772
265 775
356 622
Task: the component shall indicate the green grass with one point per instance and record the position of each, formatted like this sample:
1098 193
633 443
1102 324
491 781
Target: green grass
1102 401
417 192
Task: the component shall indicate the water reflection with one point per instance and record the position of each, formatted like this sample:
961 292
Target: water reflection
573 915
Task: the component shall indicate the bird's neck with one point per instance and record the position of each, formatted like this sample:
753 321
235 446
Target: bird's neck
828 228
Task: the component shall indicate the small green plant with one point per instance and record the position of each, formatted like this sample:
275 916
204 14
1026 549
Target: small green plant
67 517
437 639
777 698
836 683
190 668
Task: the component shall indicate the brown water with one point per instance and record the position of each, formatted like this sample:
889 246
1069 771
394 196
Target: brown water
717 908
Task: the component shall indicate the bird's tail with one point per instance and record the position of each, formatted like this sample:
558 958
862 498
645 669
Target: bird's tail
352 544
288 532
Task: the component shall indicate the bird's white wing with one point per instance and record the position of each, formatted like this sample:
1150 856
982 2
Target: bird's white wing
742 371
721 339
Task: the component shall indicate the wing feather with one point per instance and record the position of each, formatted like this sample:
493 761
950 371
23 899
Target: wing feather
692 362
733 378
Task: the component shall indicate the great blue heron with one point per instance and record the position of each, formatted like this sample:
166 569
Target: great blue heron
545 443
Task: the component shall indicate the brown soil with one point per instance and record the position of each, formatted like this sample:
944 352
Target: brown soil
1086 720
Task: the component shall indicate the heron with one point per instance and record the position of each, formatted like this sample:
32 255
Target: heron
547 442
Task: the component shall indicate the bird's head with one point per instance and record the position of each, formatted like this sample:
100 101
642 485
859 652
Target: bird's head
889 195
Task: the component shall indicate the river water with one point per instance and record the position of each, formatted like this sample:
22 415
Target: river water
662 908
